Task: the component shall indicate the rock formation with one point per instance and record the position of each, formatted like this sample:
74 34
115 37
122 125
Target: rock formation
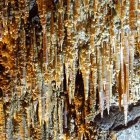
63 62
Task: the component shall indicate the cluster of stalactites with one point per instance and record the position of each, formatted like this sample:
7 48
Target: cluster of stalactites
96 37
108 45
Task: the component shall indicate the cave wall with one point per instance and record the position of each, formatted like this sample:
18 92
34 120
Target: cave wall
69 69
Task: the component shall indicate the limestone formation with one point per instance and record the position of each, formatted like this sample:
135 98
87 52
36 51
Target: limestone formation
64 61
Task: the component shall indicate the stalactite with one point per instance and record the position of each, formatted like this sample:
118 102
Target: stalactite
43 45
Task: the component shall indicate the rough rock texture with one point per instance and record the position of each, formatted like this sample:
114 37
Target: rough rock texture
62 62
114 122
130 133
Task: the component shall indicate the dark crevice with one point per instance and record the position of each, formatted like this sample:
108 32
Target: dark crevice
33 12
129 124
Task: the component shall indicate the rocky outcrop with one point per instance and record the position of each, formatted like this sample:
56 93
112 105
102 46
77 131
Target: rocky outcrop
114 122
